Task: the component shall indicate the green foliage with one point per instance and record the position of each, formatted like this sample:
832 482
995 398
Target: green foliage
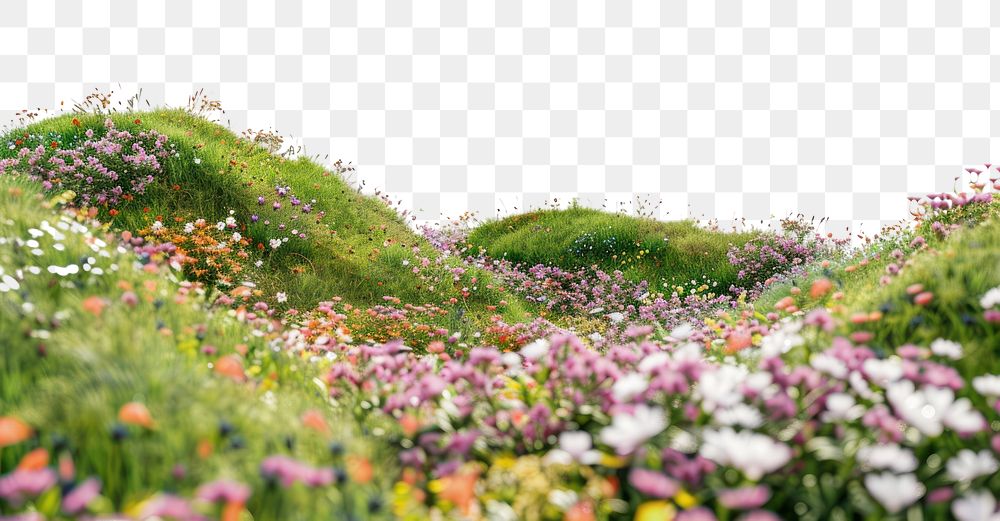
643 249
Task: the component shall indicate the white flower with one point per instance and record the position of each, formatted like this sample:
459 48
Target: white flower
781 341
629 386
220 226
281 296
987 385
842 407
894 492
861 387
682 332
825 363
574 446
274 243
616 317
888 456
740 415
721 388
753 454
991 298
237 237
197 160
406 262
157 226
976 506
931 408
188 227
947 348
968 465
653 361
536 349
628 431
258 263
883 372
596 310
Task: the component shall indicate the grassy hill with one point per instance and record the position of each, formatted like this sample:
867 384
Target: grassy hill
209 399
643 249
354 246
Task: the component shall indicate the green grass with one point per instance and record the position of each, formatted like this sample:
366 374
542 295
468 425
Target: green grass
643 249
67 371
345 254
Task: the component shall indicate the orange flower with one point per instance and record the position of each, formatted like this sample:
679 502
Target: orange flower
922 299
738 340
137 121
13 431
34 460
820 288
410 424
360 469
460 489
230 366
582 511
205 449
135 413
76 122
94 305
784 303
232 511
313 419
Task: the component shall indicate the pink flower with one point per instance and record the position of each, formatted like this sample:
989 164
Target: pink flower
744 498
696 514
759 515
169 506
652 483
81 496
225 491
21 484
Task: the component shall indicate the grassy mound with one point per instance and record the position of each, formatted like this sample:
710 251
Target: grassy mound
643 249
214 399
354 246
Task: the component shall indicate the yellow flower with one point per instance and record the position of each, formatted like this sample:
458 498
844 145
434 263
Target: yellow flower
685 500
612 461
655 511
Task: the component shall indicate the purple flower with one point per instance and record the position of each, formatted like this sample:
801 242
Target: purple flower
744 498
81 496
261 200
652 483
225 491
254 218
21 484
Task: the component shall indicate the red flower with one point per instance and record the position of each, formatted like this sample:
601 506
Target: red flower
76 122
137 121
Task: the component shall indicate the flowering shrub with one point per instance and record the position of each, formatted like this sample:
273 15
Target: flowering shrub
104 170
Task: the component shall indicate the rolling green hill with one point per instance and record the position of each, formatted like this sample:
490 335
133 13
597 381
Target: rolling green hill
357 247
643 249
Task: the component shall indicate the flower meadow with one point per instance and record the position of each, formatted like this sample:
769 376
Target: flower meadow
292 350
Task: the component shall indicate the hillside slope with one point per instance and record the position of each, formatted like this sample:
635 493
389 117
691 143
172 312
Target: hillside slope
304 234
662 253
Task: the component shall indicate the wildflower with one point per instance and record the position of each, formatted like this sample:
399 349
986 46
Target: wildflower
81 496
230 366
34 460
536 349
931 408
820 287
167 506
630 430
274 243
224 491
987 385
19 485
744 498
991 298
754 454
281 296
135 413
574 446
13 431
94 305
652 483
968 465
888 456
842 407
894 492
923 299
946 348
976 506
629 386
197 160
655 511
616 317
